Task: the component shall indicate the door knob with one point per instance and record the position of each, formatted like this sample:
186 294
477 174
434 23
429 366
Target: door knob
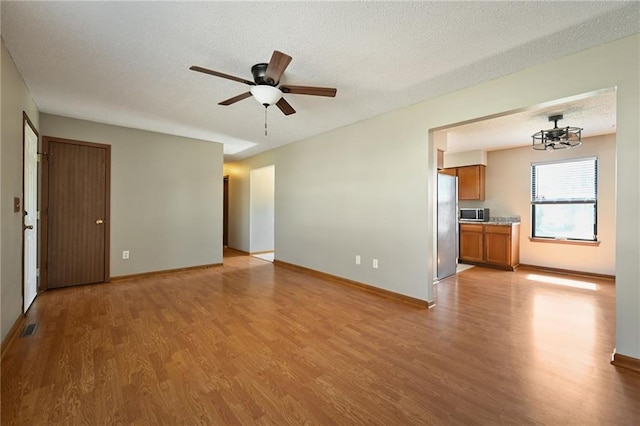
28 227
99 222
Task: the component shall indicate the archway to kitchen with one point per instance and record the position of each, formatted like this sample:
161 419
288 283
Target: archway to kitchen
502 145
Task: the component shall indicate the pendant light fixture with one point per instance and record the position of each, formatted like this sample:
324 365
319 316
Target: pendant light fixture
558 137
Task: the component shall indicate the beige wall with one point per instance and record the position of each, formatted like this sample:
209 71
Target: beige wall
465 158
15 99
166 195
369 188
508 193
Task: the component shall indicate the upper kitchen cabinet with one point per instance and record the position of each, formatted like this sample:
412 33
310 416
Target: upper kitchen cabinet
451 171
471 182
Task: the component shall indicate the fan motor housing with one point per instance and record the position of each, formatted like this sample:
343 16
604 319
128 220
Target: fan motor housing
258 71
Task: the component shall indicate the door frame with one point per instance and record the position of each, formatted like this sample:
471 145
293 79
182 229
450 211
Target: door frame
253 197
225 211
26 120
44 215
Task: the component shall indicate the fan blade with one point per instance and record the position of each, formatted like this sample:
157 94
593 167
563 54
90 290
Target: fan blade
222 75
285 107
309 90
278 63
236 99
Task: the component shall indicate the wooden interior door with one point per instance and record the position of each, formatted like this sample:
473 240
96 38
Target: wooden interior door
77 212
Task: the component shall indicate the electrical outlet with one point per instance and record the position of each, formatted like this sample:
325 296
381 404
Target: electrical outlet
125 254
375 263
357 259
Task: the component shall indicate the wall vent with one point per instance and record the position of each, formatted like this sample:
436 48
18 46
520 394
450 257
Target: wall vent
29 330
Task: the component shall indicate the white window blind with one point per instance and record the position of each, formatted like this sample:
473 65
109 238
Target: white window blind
564 199
566 181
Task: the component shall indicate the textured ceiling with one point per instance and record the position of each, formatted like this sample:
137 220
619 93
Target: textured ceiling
594 113
127 63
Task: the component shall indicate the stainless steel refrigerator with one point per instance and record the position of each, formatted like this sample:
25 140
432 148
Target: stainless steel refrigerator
447 225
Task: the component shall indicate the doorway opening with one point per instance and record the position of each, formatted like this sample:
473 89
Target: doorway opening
225 211
262 213
502 143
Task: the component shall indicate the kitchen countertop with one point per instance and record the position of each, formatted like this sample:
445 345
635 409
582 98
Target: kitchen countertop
498 220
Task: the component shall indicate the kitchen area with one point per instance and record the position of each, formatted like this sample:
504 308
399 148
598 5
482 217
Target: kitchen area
484 173
467 233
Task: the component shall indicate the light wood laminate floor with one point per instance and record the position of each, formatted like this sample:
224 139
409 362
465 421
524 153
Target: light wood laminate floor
257 343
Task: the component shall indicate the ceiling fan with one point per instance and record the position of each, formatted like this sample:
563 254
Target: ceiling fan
266 78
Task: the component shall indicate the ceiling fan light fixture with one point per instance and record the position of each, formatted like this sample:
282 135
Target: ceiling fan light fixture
266 95
558 137
264 87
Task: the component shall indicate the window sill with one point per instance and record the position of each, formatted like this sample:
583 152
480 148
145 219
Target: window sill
570 242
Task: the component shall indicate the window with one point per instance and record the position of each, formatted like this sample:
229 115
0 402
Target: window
564 199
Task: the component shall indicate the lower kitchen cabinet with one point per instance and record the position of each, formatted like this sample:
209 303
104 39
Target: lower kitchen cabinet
492 245
471 243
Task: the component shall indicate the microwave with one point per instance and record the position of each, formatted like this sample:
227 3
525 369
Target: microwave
478 215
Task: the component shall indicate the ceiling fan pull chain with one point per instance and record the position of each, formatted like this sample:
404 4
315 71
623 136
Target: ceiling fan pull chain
265 120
